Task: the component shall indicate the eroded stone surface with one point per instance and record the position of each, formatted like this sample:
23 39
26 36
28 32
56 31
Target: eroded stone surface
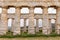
31 4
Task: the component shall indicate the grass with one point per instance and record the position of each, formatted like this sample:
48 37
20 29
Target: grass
39 34
24 35
32 38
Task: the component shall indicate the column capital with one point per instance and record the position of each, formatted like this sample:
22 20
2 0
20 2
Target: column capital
18 10
25 18
37 19
18 7
45 7
31 7
5 7
45 11
58 9
31 10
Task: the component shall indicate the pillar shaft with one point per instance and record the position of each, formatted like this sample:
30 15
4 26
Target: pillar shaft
12 25
4 24
46 28
25 28
17 22
37 27
50 25
0 20
31 29
58 21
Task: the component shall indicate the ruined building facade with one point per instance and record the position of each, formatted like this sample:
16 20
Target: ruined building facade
31 5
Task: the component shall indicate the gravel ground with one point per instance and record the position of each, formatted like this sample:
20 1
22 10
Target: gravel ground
32 38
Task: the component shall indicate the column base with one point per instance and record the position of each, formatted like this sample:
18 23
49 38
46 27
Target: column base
25 30
37 29
58 31
16 33
31 31
2 33
46 31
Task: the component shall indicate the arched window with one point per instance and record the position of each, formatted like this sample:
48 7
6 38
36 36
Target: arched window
0 10
38 10
21 22
24 10
11 10
9 23
51 10
53 25
40 22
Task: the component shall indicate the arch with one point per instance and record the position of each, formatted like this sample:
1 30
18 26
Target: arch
11 9
38 10
24 10
52 10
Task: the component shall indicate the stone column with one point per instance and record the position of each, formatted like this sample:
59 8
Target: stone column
25 28
16 27
37 27
12 25
4 22
31 28
50 25
0 20
58 21
46 28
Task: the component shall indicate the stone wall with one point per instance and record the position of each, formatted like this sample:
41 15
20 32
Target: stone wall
31 4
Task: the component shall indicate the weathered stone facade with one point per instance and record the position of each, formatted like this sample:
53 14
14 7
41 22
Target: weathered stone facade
31 4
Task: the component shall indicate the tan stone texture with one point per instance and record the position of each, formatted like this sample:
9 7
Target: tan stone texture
31 4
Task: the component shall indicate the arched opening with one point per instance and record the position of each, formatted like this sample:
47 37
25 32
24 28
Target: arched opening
40 25
11 10
25 10
22 25
9 24
27 25
38 10
27 22
51 10
53 24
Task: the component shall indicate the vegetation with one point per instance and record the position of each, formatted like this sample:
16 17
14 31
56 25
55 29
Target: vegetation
39 34
25 34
